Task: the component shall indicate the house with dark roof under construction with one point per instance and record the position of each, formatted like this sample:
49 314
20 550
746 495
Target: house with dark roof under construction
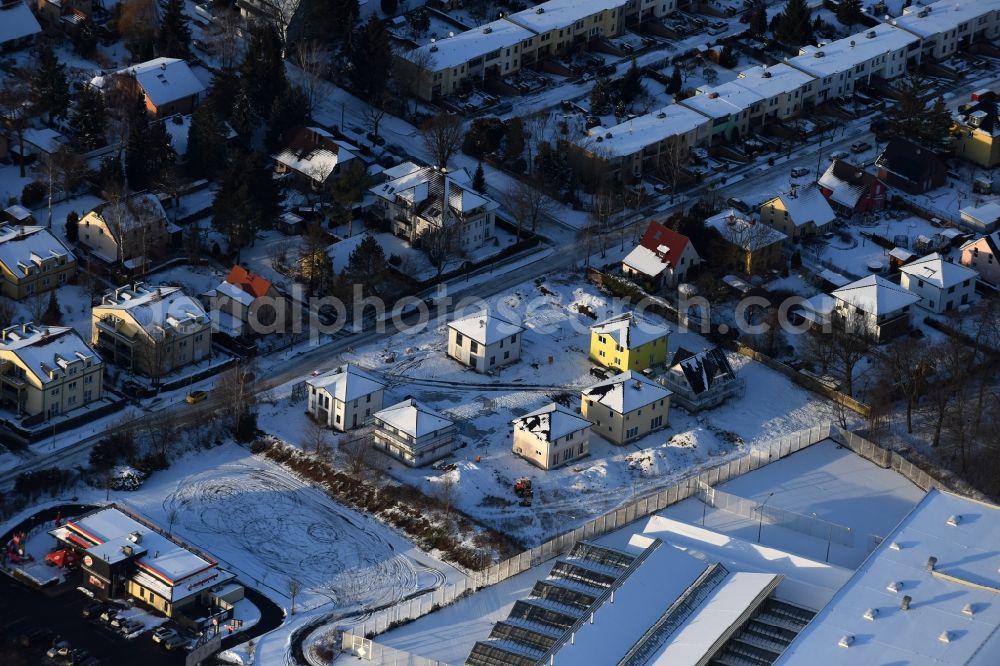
700 380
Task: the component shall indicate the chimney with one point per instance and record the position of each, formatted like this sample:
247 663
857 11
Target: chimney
953 521
905 603
931 563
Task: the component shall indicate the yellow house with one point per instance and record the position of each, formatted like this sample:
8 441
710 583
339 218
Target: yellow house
47 370
975 132
32 261
628 342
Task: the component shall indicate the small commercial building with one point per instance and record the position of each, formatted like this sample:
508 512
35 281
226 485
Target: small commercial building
626 407
344 398
941 285
484 341
551 436
413 433
628 341
125 555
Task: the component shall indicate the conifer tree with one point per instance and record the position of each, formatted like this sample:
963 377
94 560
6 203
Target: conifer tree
49 89
174 38
370 61
87 119
793 26
479 180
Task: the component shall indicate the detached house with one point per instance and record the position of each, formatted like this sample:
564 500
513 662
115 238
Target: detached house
662 258
628 342
18 26
983 256
312 157
32 261
747 246
977 131
551 436
874 307
413 433
484 341
416 199
245 304
798 213
941 285
129 231
911 168
851 190
47 370
626 407
167 85
150 330
700 380
344 398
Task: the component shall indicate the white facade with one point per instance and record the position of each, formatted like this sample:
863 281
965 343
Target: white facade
344 399
484 342
946 26
782 89
941 285
413 433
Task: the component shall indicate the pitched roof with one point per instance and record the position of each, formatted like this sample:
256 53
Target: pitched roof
846 182
630 330
907 159
703 369
938 272
132 212
46 349
456 50
249 282
982 116
747 232
551 422
805 206
156 308
413 418
627 392
314 152
876 295
16 22
660 248
427 190
485 328
346 384
22 247
165 80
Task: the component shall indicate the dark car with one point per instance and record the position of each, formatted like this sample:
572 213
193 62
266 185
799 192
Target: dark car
860 146
93 610
738 204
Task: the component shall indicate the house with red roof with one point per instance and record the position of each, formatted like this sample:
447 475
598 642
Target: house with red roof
662 259
246 304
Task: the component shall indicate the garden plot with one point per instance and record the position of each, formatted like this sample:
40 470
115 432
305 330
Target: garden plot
270 528
857 255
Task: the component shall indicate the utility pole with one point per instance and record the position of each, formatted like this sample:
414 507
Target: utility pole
760 523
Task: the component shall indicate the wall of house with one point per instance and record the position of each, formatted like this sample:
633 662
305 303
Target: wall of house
977 146
340 416
81 385
146 239
622 428
549 455
53 272
937 300
178 350
485 357
423 451
979 257
605 351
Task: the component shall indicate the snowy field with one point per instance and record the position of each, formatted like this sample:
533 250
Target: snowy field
554 364
269 527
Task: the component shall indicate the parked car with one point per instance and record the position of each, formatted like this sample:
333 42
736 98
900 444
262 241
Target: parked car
175 643
860 146
839 155
109 614
196 397
798 172
93 610
161 634
738 204
130 626
60 649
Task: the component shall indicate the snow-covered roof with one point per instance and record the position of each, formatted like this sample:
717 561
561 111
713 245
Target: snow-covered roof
953 612
876 295
633 135
347 384
485 328
557 14
626 392
45 139
943 16
646 261
935 270
315 153
551 422
17 22
413 418
47 351
630 330
772 81
422 186
987 213
156 308
901 254
843 55
752 235
457 50
235 292
722 100
165 80
17 212
25 247
806 205
846 183
702 370
135 211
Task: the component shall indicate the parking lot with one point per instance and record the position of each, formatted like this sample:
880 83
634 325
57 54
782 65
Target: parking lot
25 611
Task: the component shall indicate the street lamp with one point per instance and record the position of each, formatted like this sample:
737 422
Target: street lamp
760 523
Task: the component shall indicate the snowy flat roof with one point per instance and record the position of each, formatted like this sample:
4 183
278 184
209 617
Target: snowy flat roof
646 261
934 269
413 418
557 14
630 330
17 22
772 81
165 80
22 248
551 422
347 384
723 100
845 54
942 16
633 135
876 295
450 52
953 614
485 328
626 392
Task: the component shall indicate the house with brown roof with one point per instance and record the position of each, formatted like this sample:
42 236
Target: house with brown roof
851 190
311 157
910 167
662 258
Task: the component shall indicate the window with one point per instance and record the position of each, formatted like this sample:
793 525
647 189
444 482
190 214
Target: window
493 360
458 339
920 283
474 346
631 432
338 418
506 355
656 422
513 339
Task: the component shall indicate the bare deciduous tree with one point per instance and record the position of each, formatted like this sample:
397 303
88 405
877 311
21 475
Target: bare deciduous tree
15 107
315 438
311 57
294 588
670 162
905 365
526 204
442 136
441 245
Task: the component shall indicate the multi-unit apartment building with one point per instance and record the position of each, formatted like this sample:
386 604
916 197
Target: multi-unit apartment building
151 330
32 261
782 89
415 199
946 26
728 106
47 370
